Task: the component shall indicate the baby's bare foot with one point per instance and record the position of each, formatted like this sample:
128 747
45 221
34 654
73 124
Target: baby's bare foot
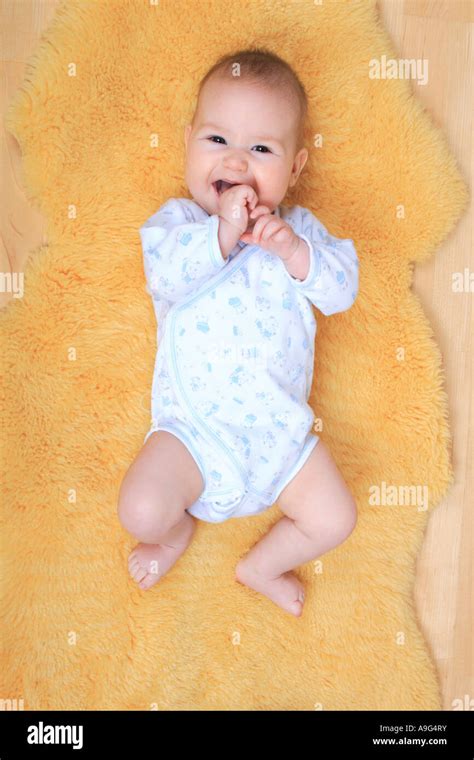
285 590
147 563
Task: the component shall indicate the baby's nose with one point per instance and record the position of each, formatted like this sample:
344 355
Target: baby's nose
236 162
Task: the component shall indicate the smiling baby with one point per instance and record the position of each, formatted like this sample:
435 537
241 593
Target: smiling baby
234 276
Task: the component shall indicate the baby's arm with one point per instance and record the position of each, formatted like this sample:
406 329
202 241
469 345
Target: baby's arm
332 281
179 254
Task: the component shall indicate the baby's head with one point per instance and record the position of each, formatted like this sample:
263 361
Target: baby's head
248 128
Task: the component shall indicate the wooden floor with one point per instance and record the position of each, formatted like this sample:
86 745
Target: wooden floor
442 32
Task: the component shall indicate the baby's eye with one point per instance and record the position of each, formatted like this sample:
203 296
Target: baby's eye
214 138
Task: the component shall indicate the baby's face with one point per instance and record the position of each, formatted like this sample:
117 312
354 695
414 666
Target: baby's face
245 134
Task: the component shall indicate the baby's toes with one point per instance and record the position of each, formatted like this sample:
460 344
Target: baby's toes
138 572
147 581
297 606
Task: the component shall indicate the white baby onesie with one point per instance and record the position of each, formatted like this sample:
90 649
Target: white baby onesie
234 365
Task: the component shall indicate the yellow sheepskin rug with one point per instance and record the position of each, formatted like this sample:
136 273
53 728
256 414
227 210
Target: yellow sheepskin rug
100 120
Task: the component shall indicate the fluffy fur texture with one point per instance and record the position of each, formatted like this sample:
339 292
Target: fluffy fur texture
78 351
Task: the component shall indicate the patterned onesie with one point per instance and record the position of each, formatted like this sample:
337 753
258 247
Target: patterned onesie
235 337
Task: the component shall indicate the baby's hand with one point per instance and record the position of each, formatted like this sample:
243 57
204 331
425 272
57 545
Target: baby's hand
271 233
233 205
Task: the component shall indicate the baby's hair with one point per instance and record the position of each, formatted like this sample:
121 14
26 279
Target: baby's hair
261 66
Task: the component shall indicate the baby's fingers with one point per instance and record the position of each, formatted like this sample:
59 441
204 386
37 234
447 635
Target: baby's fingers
258 211
272 228
260 225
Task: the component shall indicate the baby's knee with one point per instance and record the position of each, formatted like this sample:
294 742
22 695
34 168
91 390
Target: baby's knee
344 519
337 522
144 516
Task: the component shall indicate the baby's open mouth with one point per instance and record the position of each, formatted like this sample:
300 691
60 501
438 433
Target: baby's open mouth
221 185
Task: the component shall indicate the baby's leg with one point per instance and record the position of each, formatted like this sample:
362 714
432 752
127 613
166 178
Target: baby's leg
160 484
320 513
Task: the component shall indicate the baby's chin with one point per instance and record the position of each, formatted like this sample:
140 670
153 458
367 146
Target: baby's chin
205 203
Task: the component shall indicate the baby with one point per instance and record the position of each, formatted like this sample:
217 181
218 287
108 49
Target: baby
233 276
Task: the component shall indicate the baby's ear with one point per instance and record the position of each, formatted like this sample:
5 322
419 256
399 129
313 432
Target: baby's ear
298 164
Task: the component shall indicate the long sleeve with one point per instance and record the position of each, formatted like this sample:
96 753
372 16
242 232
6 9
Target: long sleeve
179 252
332 282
